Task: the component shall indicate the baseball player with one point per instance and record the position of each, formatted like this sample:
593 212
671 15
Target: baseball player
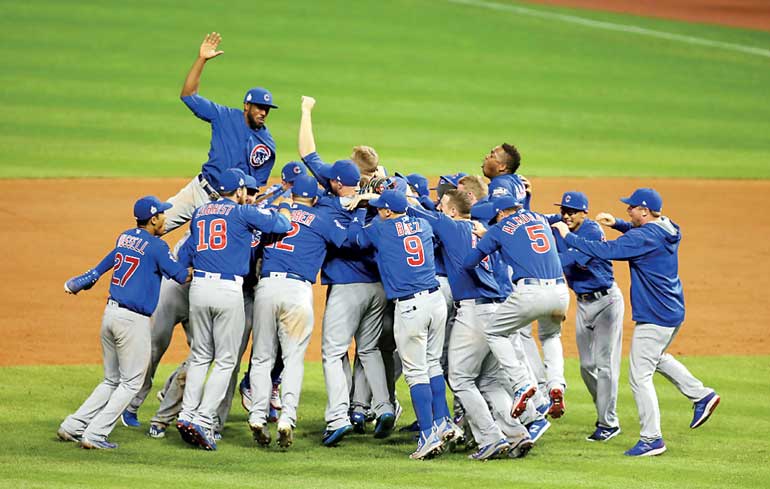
138 261
283 307
599 319
540 294
650 244
500 166
239 139
355 301
404 254
219 247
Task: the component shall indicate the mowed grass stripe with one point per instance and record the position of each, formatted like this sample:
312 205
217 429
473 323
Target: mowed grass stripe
92 89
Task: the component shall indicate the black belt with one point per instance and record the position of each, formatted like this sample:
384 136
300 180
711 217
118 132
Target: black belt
206 186
441 275
412 296
592 296
220 276
539 281
293 276
484 300
116 303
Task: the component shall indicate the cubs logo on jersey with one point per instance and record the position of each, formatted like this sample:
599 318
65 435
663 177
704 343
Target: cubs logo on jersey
259 155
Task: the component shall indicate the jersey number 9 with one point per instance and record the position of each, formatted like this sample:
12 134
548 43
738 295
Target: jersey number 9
413 246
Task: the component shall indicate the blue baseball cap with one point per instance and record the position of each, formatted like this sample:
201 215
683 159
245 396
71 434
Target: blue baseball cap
450 179
251 182
231 180
344 171
574 200
292 170
645 197
259 96
396 183
419 183
305 186
504 202
390 199
148 206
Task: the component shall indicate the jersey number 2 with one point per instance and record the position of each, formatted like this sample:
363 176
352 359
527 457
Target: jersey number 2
217 235
413 246
133 264
280 243
539 239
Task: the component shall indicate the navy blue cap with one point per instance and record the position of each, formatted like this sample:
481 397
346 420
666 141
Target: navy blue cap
450 179
148 206
259 96
645 197
251 182
305 186
344 171
292 170
231 180
574 200
419 183
391 199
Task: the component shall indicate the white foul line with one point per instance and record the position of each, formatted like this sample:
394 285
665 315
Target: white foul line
615 27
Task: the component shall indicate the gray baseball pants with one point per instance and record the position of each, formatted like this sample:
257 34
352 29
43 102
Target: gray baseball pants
125 337
283 312
189 198
648 355
418 329
546 302
217 321
353 311
599 335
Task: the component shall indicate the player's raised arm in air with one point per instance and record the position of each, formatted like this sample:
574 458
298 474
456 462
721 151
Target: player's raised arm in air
208 50
306 139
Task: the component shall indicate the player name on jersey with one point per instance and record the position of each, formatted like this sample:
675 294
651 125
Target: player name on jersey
407 228
511 226
132 243
302 217
215 208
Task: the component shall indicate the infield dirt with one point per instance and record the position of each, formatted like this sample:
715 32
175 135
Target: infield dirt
55 229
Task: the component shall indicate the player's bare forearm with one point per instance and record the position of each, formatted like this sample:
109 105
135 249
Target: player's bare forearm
306 139
207 51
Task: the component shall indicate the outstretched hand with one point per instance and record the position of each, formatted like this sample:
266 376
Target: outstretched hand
209 46
605 219
561 227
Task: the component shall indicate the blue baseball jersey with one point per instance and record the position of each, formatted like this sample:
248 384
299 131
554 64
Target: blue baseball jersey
314 162
458 240
346 264
526 243
583 273
138 262
507 184
222 234
233 143
302 250
404 252
652 252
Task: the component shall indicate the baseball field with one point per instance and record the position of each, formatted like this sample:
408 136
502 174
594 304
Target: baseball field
671 95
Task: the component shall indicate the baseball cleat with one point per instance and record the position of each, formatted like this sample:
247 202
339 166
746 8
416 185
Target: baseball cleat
285 435
384 426
358 420
261 434
556 410
520 399
65 435
412 428
538 428
398 411
129 419
272 415
204 436
160 395
97 445
521 449
493 450
428 445
544 407
647 449
332 437
603 434
186 432
275 397
448 431
245 390
217 435
702 409
157 430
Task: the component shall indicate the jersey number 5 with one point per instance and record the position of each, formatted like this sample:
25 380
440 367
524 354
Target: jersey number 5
217 235
413 246
539 239
133 264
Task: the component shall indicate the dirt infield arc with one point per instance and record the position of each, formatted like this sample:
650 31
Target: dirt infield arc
54 229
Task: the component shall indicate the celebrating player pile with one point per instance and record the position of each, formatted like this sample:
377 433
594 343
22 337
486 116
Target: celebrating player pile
444 290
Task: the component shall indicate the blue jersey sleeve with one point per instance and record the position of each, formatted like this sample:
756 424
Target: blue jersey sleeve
622 226
186 251
357 234
427 203
334 232
267 220
626 247
552 218
169 267
314 164
202 107
106 264
488 245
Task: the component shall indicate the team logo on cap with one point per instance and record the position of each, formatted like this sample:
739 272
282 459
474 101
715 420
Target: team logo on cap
153 209
267 97
259 155
567 198
296 170
248 97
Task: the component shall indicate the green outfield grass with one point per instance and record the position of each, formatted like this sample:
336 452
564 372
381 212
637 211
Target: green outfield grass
731 450
91 88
